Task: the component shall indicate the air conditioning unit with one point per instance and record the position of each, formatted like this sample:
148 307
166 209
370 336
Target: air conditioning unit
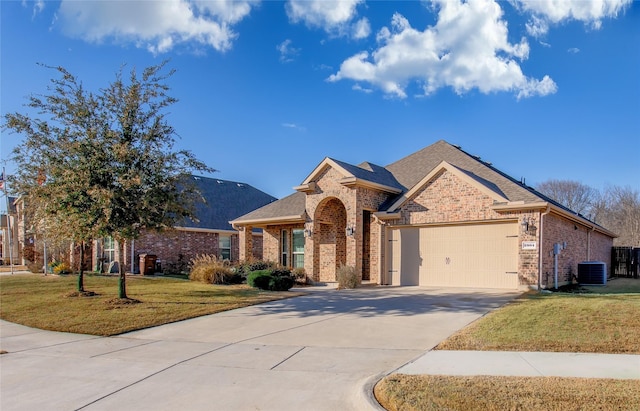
592 273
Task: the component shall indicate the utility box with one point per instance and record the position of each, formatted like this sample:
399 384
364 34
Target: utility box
592 273
148 264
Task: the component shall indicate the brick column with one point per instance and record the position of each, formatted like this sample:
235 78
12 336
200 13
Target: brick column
245 243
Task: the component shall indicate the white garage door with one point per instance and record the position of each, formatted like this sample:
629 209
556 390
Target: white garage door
478 255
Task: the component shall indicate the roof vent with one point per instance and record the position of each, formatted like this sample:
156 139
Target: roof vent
240 185
196 178
219 182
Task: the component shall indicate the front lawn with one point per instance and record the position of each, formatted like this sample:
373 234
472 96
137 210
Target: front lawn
44 302
595 319
437 392
560 322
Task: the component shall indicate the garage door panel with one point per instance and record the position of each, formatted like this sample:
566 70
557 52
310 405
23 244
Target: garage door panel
481 255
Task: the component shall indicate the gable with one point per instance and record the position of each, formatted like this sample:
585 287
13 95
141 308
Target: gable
446 197
462 177
348 175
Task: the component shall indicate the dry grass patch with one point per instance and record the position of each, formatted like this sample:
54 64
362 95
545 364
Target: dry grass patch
559 322
421 393
42 302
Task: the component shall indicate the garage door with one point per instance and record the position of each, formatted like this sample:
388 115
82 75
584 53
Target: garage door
478 255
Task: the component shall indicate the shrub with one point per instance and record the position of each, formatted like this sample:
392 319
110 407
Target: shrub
281 283
347 277
271 280
61 268
281 272
34 267
249 266
207 269
300 276
260 279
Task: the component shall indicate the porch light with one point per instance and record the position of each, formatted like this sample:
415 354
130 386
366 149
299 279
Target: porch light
528 227
349 231
308 233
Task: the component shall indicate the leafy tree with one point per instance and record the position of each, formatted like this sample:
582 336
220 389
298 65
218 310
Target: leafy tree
104 164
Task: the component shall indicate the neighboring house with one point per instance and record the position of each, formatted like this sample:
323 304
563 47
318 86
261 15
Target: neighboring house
211 234
10 234
438 217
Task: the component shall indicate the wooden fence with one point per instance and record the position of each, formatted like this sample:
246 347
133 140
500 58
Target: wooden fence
625 262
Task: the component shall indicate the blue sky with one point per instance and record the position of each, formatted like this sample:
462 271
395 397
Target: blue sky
268 89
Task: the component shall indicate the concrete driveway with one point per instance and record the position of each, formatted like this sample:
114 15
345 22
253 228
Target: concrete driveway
313 352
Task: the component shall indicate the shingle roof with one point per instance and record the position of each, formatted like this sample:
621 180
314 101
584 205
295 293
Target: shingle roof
225 201
292 205
411 169
371 172
405 173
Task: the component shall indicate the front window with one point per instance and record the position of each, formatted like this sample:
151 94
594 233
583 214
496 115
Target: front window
298 248
109 250
224 244
284 248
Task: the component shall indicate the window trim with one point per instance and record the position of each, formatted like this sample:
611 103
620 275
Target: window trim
222 249
294 253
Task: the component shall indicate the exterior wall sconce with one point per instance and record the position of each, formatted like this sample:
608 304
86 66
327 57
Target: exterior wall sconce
528 227
308 233
349 231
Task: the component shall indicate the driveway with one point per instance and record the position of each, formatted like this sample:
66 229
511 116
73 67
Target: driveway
313 352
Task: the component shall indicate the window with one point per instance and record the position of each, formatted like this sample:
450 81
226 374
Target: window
224 245
109 253
292 248
298 248
284 248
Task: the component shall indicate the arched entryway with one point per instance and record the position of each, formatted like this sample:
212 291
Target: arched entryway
329 238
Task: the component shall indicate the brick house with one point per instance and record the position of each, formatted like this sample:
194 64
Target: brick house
211 234
438 217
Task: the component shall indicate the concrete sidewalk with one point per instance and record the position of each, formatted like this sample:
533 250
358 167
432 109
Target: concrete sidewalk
525 364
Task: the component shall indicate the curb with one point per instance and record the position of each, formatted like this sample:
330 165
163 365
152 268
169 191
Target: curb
364 396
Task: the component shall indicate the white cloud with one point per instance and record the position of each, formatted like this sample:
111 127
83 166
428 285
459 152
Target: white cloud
287 53
361 29
294 126
358 87
333 16
157 25
590 12
574 50
38 6
466 49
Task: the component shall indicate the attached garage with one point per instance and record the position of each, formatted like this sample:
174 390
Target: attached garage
465 255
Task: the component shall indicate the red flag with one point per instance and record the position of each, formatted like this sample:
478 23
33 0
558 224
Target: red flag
41 178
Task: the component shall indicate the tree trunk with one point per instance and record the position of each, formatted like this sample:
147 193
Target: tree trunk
81 273
122 284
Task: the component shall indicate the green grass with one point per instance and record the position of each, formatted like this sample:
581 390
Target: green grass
44 302
593 319
559 322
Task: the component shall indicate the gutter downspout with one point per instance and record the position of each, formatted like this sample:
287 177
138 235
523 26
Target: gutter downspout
593 228
540 249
